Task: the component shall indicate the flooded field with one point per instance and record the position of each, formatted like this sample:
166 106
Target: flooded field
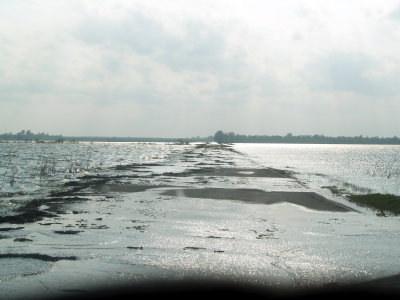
76 217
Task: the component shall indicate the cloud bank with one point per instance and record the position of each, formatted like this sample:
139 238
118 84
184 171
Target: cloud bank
145 68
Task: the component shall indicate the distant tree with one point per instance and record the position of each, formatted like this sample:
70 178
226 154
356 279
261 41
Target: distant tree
219 136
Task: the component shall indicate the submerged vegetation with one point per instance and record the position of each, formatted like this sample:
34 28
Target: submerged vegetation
382 202
335 190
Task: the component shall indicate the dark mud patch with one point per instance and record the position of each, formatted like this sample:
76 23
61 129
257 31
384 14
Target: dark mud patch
219 146
56 204
194 248
213 237
136 166
38 209
234 172
98 227
22 240
309 200
73 187
129 188
42 257
99 180
68 231
141 228
29 216
50 223
135 247
32 211
11 228
266 235
92 181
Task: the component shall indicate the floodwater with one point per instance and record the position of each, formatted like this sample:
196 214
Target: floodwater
106 216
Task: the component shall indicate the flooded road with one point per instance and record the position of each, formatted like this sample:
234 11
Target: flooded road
199 211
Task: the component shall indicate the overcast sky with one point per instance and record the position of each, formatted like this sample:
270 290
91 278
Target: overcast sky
189 68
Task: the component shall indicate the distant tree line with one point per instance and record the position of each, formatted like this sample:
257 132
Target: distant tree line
220 137
27 135
230 137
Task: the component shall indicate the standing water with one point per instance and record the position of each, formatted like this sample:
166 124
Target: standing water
79 216
358 168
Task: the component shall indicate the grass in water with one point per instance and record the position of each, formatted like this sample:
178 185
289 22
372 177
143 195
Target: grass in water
383 202
335 190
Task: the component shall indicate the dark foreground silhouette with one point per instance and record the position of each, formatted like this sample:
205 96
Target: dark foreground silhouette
387 288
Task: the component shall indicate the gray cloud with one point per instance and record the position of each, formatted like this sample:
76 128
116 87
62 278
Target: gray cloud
142 35
201 49
23 89
152 69
395 14
351 72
